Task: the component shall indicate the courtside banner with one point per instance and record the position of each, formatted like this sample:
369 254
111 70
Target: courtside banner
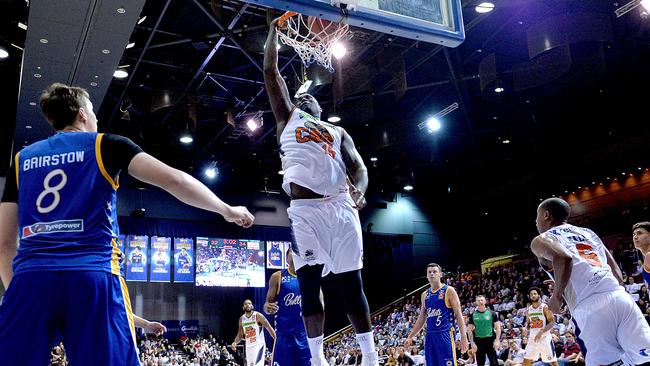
160 263
183 260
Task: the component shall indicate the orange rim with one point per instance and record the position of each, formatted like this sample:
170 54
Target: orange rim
285 17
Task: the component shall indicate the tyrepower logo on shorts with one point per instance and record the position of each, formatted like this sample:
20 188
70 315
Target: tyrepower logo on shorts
61 226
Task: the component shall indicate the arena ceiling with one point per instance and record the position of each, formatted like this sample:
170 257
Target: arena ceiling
572 112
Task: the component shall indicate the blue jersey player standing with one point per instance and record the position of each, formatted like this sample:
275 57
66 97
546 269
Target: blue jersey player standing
641 238
283 299
441 309
63 282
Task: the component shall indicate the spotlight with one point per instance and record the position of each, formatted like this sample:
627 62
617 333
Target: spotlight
252 124
646 4
339 50
333 118
433 124
211 172
3 53
505 141
142 19
281 172
408 187
374 158
186 138
120 74
485 7
130 45
499 89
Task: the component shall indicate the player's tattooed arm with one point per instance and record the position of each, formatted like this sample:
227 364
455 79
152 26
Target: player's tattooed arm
356 169
616 270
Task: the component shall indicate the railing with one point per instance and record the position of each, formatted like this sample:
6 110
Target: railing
336 335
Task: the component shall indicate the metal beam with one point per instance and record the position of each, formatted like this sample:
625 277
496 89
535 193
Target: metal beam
135 67
223 29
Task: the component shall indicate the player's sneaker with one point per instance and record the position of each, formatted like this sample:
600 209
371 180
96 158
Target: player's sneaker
370 359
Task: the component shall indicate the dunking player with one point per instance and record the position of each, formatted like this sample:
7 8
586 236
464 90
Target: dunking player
539 321
612 326
641 238
250 328
65 278
283 299
316 158
441 309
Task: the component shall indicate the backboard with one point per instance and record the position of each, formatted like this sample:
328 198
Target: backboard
434 21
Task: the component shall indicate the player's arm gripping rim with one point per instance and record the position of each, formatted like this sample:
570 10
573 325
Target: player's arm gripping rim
547 247
276 88
419 324
271 304
8 240
238 337
458 314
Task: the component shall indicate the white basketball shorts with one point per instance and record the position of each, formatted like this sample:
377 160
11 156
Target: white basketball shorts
326 231
540 350
613 328
255 354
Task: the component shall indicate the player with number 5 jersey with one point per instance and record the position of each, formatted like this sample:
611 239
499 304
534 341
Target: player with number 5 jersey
441 309
60 202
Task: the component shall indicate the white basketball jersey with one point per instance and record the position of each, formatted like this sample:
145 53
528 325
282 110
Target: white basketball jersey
252 331
311 155
590 274
536 320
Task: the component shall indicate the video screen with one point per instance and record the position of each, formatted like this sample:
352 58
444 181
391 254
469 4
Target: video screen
229 262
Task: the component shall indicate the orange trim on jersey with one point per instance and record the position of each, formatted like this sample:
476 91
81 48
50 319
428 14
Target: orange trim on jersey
100 162
127 306
452 332
16 163
115 258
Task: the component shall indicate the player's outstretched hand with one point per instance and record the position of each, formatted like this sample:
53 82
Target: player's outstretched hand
155 328
271 307
239 215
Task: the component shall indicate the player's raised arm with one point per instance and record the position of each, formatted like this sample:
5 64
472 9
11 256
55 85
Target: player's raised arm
185 188
276 88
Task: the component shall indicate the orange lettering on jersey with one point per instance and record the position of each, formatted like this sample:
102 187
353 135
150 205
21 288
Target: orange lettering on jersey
329 150
536 322
587 252
315 135
301 137
328 137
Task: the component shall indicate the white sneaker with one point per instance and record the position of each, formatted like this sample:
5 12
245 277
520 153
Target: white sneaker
322 362
370 359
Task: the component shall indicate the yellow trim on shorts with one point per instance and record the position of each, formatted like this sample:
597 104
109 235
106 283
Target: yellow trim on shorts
17 163
127 306
100 162
115 257
453 344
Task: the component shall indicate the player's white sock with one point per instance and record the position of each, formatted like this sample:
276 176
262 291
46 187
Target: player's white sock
366 342
316 347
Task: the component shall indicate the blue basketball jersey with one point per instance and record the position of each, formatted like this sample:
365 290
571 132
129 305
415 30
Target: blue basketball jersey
275 257
289 316
66 206
440 315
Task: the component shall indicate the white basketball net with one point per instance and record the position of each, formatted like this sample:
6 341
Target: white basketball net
313 38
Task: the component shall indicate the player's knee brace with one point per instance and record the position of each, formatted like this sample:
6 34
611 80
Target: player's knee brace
352 286
309 280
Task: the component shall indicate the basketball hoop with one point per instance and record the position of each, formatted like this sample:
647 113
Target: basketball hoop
311 37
